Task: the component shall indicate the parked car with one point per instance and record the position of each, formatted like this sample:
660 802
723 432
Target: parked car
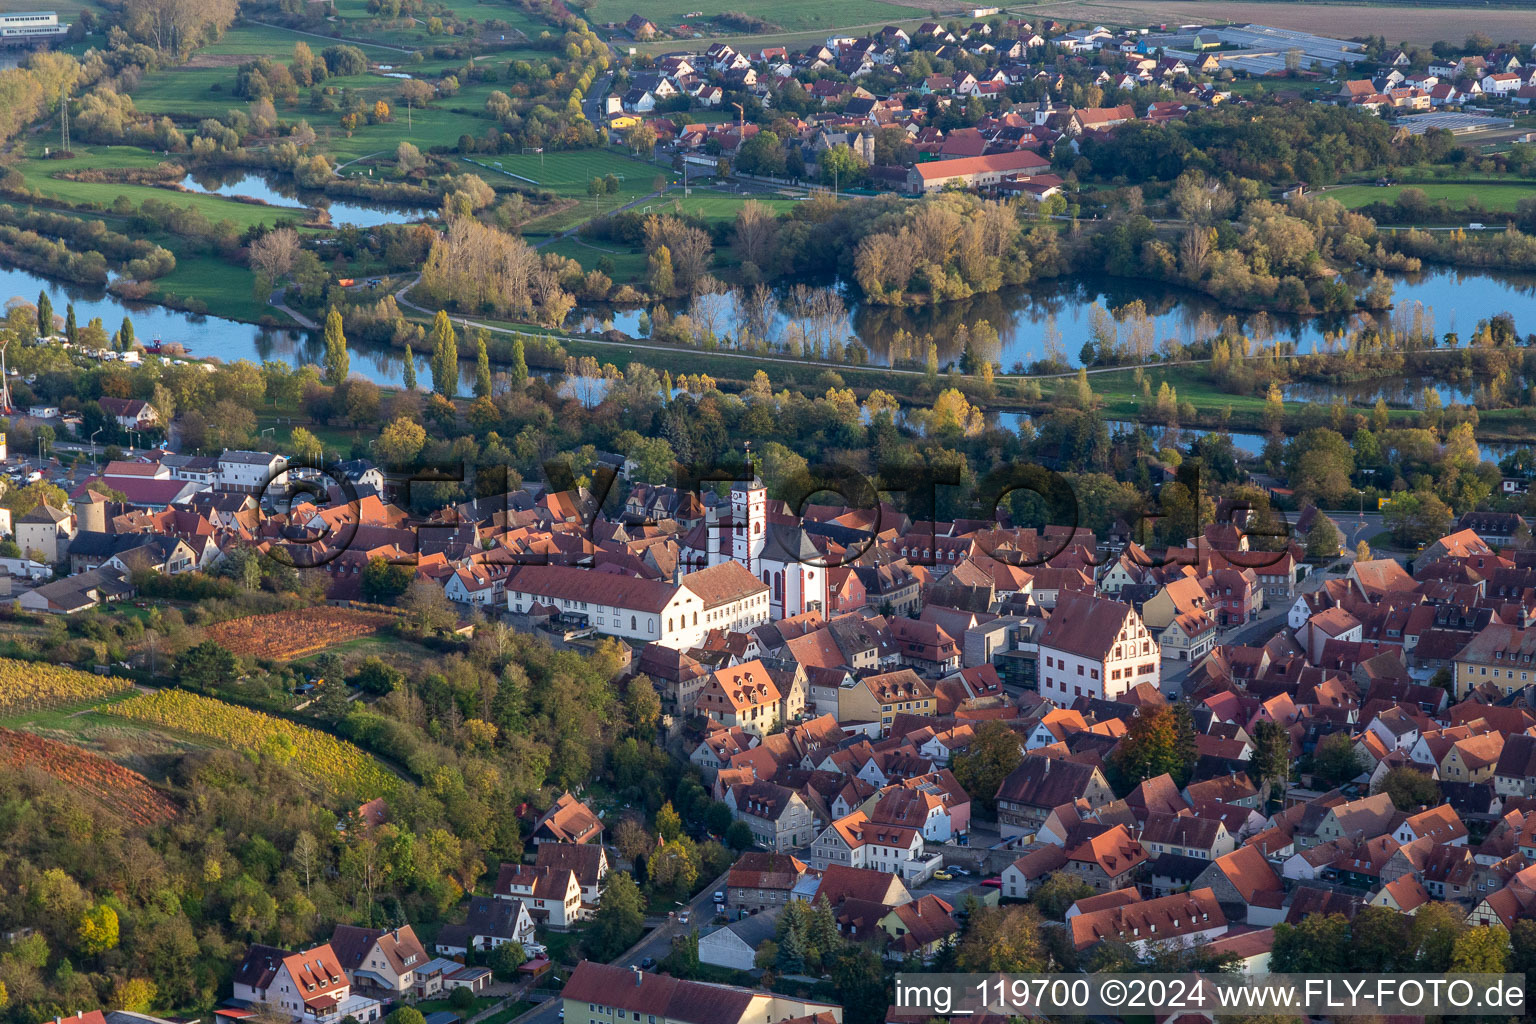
683 917
647 963
719 896
943 876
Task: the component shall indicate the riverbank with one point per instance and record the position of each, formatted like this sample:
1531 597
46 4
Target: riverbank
1116 388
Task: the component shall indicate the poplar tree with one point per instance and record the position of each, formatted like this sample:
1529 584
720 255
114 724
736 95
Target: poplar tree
409 372
337 361
445 357
482 367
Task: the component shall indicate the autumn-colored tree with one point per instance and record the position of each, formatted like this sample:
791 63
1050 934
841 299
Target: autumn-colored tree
1149 748
400 442
1004 939
669 825
96 931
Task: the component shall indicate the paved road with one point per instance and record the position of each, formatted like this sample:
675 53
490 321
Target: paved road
655 944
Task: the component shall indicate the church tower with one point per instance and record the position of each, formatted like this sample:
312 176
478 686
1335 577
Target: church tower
749 518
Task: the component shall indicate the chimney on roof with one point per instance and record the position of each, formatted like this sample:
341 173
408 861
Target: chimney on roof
639 976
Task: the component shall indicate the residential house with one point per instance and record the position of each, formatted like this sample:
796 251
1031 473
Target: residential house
1039 785
552 895
1107 861
779 818
568 821
879 698
490 922
308 987
382 962
761 881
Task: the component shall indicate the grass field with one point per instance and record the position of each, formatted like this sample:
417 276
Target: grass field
1398 22
569 172
790 15
228 289
1499 198
275 41
39 176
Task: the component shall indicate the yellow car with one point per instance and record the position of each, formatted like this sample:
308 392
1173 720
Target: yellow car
943 876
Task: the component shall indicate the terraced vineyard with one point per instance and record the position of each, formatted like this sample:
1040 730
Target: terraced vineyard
335 763
34 686
285 635
123 791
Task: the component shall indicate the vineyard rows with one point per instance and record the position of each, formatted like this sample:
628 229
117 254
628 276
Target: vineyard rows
127 793
285 635
342 766
31 686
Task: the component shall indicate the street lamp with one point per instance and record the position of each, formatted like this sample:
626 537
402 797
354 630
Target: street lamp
94 452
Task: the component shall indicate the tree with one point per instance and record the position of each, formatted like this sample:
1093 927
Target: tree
631 839
44 314
96 931
400 442
206 665
427 608
25 499
992 756
482 367
445 357
306 856
1409 788
408 370
738 836
641 704
674 866
272 255
1362 552
659 275
1323 540
1335 760
136 995
1058 892
1149 748
519 370
841 167
406 1015
505 960
125 336
1271 759
1481 950
408 158
1319 944
620 917
669 825
306 447
1003 939
337 362
1416 517
383 583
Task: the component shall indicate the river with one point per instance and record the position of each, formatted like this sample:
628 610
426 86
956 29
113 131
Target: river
1453 301
1456 300
264 188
